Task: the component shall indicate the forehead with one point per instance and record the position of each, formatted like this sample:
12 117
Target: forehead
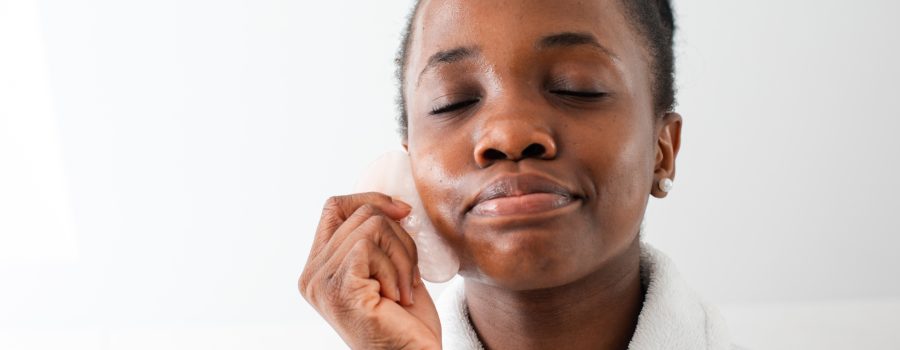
443 24
502 29
518 11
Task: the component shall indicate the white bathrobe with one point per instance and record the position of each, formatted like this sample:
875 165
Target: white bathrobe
673 317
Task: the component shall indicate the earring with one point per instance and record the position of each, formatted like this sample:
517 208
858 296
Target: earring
665 185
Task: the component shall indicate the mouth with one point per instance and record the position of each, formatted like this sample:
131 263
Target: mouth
523 194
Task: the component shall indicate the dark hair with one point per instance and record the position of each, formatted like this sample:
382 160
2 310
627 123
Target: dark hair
652 19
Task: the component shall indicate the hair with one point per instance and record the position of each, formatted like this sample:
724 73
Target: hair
651 19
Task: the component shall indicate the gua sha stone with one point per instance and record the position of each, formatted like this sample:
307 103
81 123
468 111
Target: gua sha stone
391 174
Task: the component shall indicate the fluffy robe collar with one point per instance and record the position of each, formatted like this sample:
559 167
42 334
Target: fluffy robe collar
673 317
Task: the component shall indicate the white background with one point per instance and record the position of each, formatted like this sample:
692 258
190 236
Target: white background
163 164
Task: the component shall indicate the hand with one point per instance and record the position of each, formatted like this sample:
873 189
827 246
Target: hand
361 276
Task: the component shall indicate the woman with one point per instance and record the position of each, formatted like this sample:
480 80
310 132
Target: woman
537 130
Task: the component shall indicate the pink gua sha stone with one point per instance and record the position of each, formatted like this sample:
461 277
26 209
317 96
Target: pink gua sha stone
391 174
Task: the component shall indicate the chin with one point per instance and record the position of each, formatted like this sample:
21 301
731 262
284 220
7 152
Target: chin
528 259
522 279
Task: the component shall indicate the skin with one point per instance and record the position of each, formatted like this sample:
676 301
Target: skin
562 278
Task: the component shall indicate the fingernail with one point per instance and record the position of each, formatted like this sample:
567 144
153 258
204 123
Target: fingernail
411 296
397 289
401 204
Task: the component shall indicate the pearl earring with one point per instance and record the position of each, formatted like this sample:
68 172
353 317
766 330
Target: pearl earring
665 185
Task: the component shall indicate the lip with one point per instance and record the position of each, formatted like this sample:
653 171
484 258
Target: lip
521 194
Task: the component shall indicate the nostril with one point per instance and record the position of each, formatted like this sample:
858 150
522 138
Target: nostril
534 150
493 154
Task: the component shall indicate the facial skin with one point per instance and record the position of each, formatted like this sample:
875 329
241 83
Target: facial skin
518 67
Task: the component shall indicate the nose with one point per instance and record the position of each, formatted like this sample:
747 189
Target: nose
515 140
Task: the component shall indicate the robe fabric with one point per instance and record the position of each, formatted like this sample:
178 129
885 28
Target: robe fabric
673 316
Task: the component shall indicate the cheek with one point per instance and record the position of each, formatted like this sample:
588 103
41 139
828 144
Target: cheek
619 168
438 169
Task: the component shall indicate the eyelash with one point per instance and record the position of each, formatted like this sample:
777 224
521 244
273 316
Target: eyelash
580 94
460 105
453 106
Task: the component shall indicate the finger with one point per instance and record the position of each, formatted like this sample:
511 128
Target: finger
344 206
320 255
406 263
411 250
325 243
408 242
362 214
339 208
379 229
362 278
350 225
368 261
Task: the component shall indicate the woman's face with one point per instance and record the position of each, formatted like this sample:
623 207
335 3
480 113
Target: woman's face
533 139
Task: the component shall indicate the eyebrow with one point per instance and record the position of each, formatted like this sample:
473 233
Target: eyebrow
557 40
449 56
570 39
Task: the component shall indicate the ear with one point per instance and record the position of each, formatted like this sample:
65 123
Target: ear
667 144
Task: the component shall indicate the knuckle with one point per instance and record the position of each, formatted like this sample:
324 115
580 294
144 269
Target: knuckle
368 209
333 204
303 283
374 224
307 287
382 221
330 219
334 286
387 245
331 214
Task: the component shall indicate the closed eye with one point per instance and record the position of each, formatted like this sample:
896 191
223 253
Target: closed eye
453 106
579 94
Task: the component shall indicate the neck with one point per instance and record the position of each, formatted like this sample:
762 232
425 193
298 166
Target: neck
598 311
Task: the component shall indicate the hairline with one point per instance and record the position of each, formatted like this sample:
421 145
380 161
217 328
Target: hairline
633 18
